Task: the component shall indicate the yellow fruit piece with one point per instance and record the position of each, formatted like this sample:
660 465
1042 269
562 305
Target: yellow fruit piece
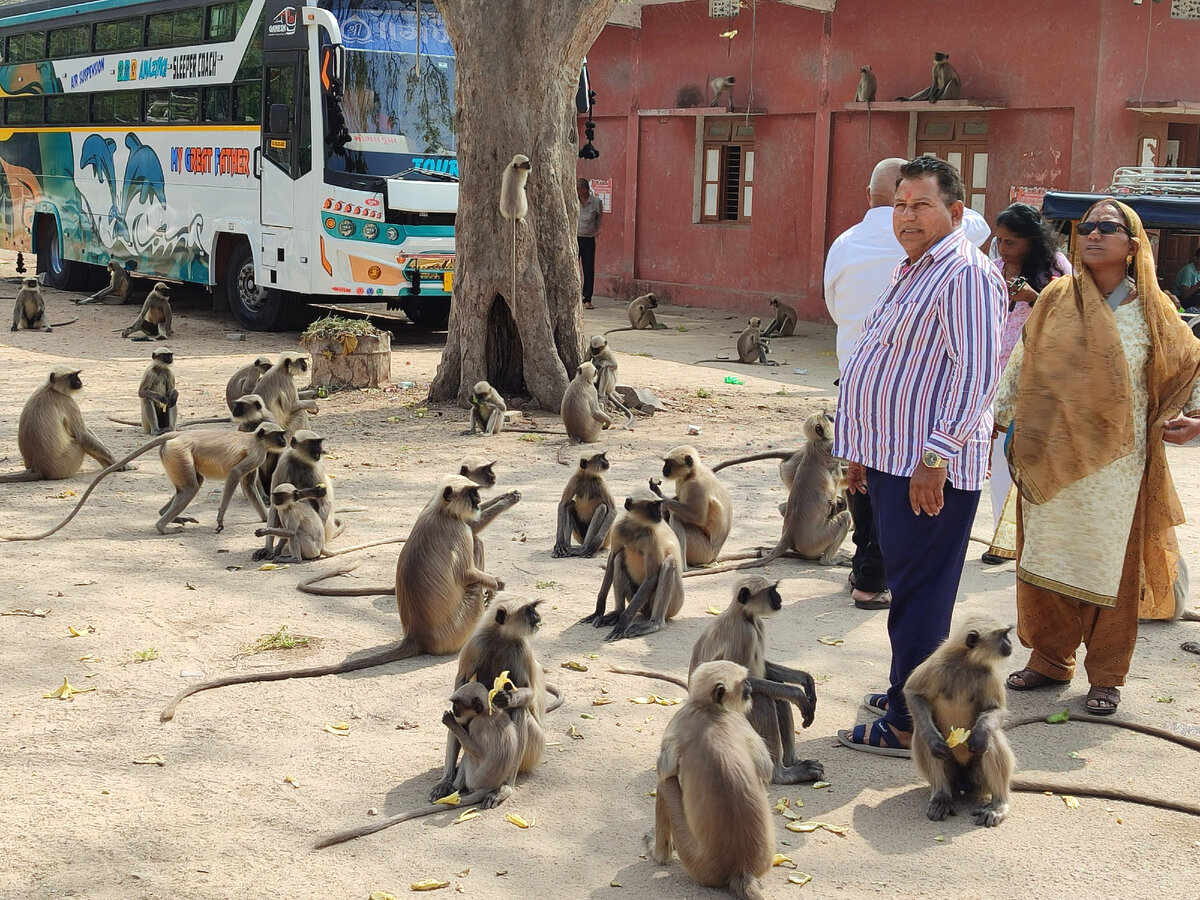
517 820
450 799
957 736
792 814
817 785
429 884
574 732
502 680
291 779
601 701
341 729
712 610
466 816
1071 802
781 860
381 895
66 692
800 878
830 641
152 760
268 567
783 804
802 827
574 666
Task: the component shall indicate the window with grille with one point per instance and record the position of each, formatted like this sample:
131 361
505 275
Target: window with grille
1185 9
723 9
727 170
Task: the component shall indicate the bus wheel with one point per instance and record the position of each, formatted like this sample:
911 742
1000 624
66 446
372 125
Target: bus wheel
56 272
254 307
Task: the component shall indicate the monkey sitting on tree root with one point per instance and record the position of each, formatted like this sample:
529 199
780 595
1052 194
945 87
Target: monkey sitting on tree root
117 291
641 314
738 634
580 410
711 801
29 309
155 318
601 356
586 510
784 323
752 348
493 745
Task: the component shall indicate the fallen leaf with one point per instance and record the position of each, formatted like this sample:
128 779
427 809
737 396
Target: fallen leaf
450 799
341 729
781 860
817 785
152 760
66 692
831 641
1059 718
466 816
712 610
574 666
429 884
586 716
800 878
1072 802
957 736
517 820
291 779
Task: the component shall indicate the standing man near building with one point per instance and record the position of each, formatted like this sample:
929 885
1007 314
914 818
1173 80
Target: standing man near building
590 210
858 270
915 420
1187 282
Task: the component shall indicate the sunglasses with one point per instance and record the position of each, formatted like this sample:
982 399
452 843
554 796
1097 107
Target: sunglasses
1086 228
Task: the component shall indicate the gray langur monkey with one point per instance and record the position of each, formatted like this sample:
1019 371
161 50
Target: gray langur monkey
51 433
245 379
500 644
711 802
580 409
586 510
868 85
117 290
784 323
601 356
960 686
487 409
29 309
300 465
277 387
738 634
815 518
751 346
641 314
158 395
155 318
701 513
299 525
723 84
944 82
514 204
643 571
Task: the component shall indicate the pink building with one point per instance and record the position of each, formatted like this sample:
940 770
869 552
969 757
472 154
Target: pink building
713 208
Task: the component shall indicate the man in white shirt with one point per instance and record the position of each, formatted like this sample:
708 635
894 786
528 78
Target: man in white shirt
858 269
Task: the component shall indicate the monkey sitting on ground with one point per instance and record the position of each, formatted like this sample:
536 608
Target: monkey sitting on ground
738 634
960 686
493 743
751 347
581 413
487 409
245 379
158 395
29 309
586 510
722 85
601 356
701 512
784 323
500 644
641 314
299 523
300 465
277 387
439 591
155 318
643 570
815 518
117 291
51 433
711 801
945 83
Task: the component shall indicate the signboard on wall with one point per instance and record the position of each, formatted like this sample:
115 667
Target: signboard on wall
1031 195
602 188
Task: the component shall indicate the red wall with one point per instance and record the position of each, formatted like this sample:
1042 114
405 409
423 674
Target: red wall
1063 72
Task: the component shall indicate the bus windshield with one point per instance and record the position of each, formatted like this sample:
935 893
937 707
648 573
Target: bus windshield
397 104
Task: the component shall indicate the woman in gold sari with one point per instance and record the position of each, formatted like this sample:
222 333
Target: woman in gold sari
1104 364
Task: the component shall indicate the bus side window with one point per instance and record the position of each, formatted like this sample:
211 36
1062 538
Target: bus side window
247 103
220 23
216 104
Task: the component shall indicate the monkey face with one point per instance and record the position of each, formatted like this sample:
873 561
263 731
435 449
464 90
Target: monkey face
166 357
649 510
244 408
597 463
31 283
262 364
472 495
272 435
71 381
481 475
678 464
164 290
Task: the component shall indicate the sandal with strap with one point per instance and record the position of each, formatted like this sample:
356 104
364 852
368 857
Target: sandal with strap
1031 681
877 738
876 703
1101 701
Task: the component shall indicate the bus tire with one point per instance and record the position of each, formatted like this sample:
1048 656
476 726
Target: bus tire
57 272
254 307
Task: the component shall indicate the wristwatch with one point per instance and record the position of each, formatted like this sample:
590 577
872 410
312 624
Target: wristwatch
933 461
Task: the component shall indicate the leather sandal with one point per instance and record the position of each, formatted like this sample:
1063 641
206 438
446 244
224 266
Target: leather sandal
1101 701
1031 681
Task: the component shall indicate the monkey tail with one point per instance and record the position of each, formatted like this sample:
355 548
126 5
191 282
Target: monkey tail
757 555
1151 730
405 649
471 799
1189 615
125 421
755 457
220 420
308 587
615 330
556 692
19 477
646 673
62 324
1039 786
345 550
104 473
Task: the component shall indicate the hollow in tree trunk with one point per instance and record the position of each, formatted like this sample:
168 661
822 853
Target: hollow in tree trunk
516 73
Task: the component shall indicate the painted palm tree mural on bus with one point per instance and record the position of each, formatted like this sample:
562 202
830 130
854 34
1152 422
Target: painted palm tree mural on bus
138 223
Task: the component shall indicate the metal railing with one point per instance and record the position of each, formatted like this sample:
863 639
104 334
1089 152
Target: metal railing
1169 181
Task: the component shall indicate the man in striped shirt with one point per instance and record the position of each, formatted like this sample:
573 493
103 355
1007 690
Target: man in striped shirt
914 422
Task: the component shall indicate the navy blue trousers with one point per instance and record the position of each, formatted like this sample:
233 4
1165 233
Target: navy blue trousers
923 556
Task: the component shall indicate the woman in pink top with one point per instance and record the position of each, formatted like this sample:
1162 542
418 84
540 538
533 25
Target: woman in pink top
1028 262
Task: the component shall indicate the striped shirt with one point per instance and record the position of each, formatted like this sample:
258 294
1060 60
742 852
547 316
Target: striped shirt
924 370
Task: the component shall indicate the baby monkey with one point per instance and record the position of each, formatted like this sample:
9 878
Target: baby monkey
299 524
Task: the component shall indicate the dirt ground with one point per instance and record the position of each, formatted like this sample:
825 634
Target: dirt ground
81 818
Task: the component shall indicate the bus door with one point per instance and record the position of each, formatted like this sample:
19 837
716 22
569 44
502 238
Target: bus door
283 134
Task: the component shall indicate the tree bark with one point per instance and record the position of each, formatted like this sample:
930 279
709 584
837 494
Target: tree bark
517 71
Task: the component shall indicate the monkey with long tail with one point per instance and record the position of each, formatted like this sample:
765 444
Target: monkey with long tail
514 205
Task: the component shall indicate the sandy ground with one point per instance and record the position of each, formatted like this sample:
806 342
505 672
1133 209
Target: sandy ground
80 818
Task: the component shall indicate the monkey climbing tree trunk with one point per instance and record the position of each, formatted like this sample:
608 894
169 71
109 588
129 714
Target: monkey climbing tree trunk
517 70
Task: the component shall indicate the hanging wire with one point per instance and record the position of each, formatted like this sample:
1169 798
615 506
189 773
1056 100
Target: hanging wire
753 35
418 64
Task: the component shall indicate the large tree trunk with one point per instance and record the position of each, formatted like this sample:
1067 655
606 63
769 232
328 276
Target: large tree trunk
517 71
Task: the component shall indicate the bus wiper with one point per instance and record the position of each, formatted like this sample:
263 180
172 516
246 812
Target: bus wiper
413 169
